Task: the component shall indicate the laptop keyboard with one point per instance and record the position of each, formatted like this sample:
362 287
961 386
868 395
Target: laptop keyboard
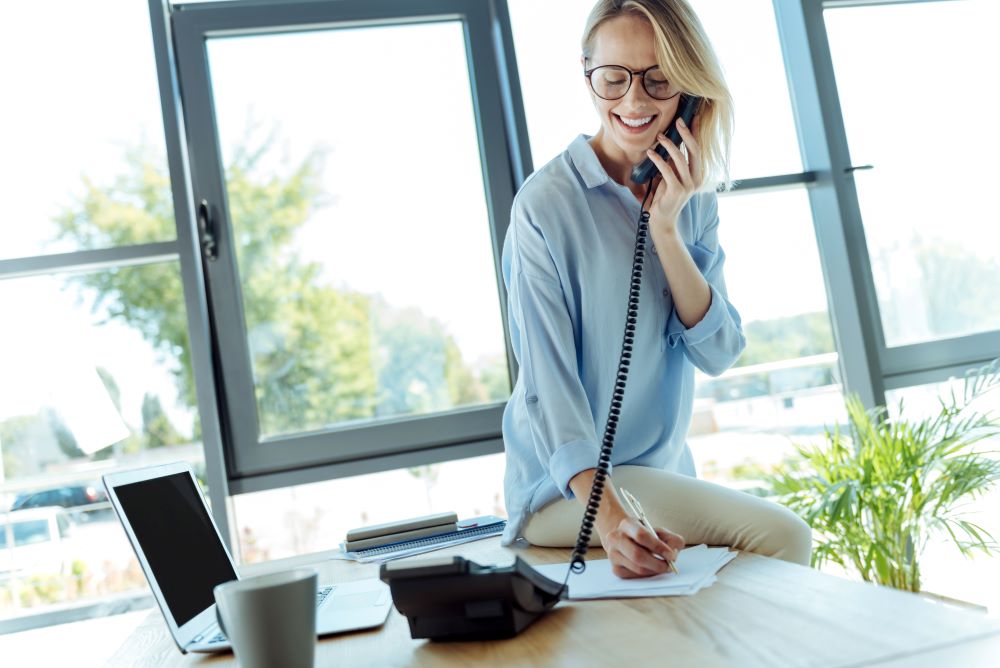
220 637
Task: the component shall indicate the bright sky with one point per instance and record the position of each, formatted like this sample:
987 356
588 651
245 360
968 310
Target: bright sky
354 92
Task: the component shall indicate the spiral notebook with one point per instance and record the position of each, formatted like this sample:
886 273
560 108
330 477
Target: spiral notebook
475 528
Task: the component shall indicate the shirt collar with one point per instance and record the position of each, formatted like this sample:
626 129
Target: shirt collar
586 162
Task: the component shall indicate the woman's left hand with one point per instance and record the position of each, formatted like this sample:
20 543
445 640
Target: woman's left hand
680 179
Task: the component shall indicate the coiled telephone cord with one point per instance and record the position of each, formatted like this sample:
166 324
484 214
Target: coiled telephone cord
577 562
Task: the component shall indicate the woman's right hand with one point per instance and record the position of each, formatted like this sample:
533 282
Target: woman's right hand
630 546
633 549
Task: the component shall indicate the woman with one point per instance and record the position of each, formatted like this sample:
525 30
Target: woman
566 261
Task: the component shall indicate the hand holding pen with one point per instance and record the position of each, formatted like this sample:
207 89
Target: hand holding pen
636 508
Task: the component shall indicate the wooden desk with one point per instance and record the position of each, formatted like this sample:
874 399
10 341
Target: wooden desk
761 612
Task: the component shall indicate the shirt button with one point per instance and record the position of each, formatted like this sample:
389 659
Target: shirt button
666 293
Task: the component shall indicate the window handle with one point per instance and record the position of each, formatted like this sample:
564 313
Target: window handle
206 230
857 168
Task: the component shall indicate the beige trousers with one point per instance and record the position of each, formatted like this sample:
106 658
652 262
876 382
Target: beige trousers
700 511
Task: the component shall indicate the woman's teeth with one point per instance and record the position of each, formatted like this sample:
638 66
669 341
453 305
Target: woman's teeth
636 123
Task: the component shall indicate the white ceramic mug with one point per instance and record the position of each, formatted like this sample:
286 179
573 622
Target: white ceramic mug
270 620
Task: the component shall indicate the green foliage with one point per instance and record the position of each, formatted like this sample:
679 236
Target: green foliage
43 589
320 355
787 338
156 426
495 378
428 473
876 494
956 283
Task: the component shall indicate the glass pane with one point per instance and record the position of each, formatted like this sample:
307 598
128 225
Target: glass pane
944 570
35 531
932 231
364 245
81 115
95 377
785 388
309 518
744 34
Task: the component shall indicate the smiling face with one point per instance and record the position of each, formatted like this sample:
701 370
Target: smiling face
627 41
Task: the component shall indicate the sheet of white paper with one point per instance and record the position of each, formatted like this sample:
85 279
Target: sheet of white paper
697 565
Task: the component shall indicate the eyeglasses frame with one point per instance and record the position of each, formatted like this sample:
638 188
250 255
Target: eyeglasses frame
632 75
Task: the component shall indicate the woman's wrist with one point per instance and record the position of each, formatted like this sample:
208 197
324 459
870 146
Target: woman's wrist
610 513
664 238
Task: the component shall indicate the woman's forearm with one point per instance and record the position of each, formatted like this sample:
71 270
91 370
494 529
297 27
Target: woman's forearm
611 511
690 291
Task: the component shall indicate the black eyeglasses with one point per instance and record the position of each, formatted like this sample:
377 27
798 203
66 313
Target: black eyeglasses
612 82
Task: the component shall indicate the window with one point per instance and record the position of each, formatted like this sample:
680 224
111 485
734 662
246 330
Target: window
94 351
96 380
310 518
944 570
27 533
80 100
932 235
353 160
786 387
367 283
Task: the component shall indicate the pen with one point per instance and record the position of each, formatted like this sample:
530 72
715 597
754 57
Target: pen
636 508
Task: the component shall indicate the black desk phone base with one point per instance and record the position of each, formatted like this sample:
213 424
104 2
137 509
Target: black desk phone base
452 598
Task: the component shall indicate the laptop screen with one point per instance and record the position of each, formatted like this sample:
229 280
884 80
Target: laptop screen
172 526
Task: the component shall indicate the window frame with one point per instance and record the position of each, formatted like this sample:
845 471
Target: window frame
253 463
868 365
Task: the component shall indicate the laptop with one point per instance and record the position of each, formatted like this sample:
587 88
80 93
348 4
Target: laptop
183 556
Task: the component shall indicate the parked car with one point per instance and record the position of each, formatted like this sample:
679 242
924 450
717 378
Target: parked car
35 541
67 496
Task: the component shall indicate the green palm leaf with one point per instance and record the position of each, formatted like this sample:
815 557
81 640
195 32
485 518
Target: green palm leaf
876 492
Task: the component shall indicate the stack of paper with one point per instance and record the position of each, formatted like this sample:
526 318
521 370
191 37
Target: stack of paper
697 567
474 528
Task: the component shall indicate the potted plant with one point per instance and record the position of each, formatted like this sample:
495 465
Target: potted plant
876 493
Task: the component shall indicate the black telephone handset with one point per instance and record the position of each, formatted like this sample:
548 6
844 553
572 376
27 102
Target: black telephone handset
687 109
456 599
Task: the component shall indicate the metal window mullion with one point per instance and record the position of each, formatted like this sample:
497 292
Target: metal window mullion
965 351
519 147
899 381
384 462
89 260
192 277
238 422
833 198
769 183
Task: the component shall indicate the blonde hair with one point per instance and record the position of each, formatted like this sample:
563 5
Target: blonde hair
686 57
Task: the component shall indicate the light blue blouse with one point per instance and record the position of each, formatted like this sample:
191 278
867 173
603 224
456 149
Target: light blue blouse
566 266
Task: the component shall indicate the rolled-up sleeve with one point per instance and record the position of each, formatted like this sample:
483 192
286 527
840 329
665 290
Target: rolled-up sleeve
561 424
715 342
